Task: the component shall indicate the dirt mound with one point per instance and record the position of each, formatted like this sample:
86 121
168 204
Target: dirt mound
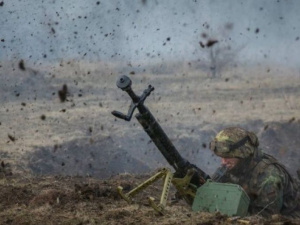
84 157
104 157
282 141
82 200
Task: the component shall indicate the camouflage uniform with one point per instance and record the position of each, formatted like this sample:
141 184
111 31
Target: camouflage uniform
271 189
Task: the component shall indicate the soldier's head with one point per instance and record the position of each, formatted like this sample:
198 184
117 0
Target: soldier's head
233 144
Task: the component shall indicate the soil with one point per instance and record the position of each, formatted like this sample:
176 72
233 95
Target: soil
62 161
83 200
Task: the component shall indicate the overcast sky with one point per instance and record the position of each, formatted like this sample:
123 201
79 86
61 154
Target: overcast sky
149 30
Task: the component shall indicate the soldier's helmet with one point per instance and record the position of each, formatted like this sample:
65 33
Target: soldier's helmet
234 142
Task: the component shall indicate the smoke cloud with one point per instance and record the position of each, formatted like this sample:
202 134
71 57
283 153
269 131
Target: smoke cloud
141 30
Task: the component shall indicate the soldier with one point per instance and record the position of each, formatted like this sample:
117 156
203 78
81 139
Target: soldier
271 188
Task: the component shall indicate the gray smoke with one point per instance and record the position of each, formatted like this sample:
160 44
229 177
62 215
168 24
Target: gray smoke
141 30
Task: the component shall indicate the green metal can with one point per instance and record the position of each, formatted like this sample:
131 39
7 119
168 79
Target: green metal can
226 198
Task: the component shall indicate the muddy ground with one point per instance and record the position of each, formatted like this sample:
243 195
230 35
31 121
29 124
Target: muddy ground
63 153
77 201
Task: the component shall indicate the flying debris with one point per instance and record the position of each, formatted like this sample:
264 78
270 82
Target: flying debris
209 43
22 65
62 94
12 138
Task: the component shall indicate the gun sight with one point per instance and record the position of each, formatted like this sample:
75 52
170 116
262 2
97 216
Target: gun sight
124 83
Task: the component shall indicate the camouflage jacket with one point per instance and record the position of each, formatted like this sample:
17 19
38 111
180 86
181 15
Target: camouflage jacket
271 189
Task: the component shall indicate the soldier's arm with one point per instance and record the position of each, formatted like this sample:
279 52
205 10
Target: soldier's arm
269 198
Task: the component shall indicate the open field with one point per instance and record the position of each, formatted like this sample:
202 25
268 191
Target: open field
45 142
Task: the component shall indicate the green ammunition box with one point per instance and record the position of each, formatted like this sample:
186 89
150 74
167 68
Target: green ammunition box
229 199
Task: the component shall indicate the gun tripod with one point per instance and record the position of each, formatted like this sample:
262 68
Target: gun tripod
181 184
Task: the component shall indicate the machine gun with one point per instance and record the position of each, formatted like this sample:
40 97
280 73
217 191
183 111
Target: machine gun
187 177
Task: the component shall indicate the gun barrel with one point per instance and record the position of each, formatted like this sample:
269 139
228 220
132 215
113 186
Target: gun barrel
160 139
